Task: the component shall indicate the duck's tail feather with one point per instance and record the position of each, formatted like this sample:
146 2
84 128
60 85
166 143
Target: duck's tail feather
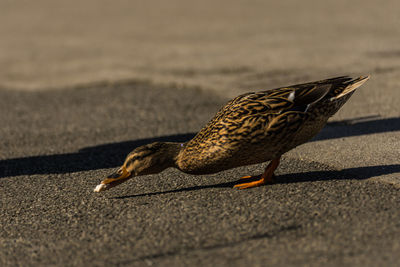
351 86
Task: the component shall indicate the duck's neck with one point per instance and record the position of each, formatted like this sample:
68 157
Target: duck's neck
170 152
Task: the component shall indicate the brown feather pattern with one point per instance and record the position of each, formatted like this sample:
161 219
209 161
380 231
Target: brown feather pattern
259 126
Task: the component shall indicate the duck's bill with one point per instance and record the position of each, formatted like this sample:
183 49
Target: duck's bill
122 175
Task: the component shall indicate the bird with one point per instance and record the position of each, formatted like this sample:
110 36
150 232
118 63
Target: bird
252 128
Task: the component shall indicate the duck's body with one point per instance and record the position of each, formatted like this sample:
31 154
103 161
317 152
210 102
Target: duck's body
252 128
258 127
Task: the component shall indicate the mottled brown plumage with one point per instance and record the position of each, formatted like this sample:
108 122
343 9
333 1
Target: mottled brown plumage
252 128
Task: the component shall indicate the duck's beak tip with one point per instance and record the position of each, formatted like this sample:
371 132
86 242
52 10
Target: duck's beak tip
122 175
100 187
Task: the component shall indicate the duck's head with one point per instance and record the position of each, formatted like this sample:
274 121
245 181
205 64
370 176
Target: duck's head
148 159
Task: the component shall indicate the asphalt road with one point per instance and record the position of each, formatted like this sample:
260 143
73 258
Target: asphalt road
56 145
84 82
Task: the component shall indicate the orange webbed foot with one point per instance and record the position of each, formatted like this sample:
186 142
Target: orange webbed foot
267 177
257 180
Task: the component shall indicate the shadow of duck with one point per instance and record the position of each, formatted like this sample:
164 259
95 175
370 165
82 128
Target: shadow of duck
111 155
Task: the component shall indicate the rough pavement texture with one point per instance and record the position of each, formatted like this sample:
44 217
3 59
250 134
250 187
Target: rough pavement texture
84 82
315 214
229 46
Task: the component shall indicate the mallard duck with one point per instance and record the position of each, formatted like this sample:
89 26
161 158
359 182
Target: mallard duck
252 128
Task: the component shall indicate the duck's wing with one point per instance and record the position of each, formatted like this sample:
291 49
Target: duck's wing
252 116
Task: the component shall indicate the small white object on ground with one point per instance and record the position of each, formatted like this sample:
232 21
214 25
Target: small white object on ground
100 187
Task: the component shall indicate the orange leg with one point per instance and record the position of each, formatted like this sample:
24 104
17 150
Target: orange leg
267 176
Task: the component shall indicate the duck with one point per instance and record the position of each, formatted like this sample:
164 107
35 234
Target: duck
252 128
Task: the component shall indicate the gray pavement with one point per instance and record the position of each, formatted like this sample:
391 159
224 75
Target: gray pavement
84 82
315 214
